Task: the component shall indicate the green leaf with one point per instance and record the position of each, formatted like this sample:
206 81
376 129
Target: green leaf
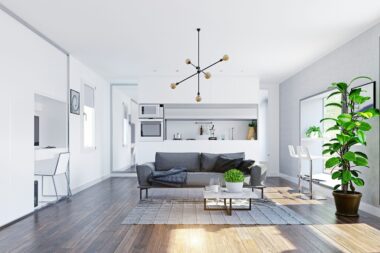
324 119
345 117
333 161
359 78
341 86
361 154
350 156
366 115
346 176
336 174
336 187
361 137
334 104
349 125
358 181
374 111
360 99
326 145
343 139
333 94
326 151
360 161
355 173
333 128
364 126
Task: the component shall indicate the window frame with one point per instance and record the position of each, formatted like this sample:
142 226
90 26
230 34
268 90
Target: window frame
83 147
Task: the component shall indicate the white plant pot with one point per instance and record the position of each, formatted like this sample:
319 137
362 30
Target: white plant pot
234 187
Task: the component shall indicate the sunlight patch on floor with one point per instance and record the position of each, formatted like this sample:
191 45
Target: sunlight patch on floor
287 196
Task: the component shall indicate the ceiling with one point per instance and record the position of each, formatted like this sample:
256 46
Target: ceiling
270 39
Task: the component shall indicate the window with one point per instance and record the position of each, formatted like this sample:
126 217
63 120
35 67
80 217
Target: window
330 112
125 125
89 117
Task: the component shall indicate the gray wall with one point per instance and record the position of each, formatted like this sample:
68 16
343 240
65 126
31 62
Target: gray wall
360 56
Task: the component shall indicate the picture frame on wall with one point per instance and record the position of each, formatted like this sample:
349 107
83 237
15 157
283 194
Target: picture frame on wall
74 102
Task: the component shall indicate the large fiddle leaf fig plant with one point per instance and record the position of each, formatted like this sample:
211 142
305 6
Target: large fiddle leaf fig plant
351 127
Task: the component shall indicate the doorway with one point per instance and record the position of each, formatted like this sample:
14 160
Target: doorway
124 117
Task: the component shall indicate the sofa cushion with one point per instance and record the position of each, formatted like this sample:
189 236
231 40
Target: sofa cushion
208 160
167 161
225 163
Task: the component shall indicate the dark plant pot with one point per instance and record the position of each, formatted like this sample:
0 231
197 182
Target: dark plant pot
347 204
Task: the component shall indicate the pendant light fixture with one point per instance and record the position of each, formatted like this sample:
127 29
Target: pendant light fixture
199 70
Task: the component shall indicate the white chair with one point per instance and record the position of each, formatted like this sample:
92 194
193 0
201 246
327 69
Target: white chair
51 168
304 154
294 154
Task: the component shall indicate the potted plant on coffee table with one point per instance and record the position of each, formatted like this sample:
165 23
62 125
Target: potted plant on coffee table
234 180
351 126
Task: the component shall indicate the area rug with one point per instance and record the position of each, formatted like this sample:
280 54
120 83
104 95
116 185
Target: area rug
185 206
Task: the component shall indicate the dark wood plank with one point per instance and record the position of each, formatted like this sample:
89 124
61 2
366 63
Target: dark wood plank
91 222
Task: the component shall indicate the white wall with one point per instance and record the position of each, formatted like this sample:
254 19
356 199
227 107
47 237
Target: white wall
89 166
358 57
28 64
273 126
218 89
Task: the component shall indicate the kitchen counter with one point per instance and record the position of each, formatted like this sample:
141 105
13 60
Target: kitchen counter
146 150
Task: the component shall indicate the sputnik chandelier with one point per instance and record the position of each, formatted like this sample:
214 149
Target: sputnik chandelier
199 70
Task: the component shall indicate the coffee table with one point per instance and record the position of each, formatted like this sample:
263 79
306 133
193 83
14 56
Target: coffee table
225 195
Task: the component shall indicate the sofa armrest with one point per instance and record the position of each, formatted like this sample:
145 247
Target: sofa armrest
258 175
143 173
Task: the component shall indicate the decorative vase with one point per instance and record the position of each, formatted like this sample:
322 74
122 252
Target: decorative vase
251 133
347 204
234 187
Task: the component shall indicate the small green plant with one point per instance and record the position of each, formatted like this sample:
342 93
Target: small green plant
352 126
313 129
233 176
253 123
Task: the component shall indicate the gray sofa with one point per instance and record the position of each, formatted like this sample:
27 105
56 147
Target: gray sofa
199 167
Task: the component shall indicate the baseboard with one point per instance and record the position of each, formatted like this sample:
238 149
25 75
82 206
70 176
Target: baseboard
89 184
327 192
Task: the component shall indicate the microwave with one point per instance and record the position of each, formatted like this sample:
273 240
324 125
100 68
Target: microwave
151 111
151 130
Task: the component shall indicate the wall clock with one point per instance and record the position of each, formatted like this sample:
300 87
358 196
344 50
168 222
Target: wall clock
74 102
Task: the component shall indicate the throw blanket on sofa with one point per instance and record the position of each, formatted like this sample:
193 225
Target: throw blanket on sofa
174 177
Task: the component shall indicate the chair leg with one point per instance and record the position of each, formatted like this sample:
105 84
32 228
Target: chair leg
262 193
69 194
55 188
140 194
146 193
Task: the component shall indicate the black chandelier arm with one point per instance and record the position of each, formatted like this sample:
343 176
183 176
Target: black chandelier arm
187 78
209 66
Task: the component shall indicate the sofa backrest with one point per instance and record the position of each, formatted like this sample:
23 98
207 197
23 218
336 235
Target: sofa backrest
166 161
208 160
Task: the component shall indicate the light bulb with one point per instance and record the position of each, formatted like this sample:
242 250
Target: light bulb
207 75
173 86
225 57
198 98
188 61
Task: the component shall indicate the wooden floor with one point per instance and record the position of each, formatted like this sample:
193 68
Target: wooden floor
90 222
